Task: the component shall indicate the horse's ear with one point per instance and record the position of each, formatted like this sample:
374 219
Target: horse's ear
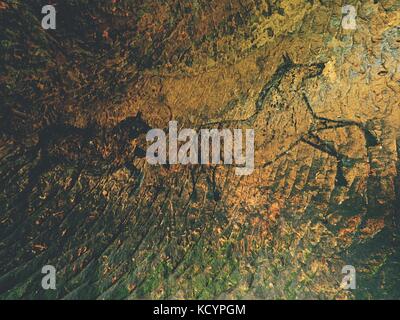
287 60
138 115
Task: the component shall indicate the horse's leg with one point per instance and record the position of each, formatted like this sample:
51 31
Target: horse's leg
316 142
322 123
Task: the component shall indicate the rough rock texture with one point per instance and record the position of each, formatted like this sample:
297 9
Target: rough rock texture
76 192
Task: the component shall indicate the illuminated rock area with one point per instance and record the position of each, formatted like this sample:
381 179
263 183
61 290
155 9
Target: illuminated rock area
77 192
